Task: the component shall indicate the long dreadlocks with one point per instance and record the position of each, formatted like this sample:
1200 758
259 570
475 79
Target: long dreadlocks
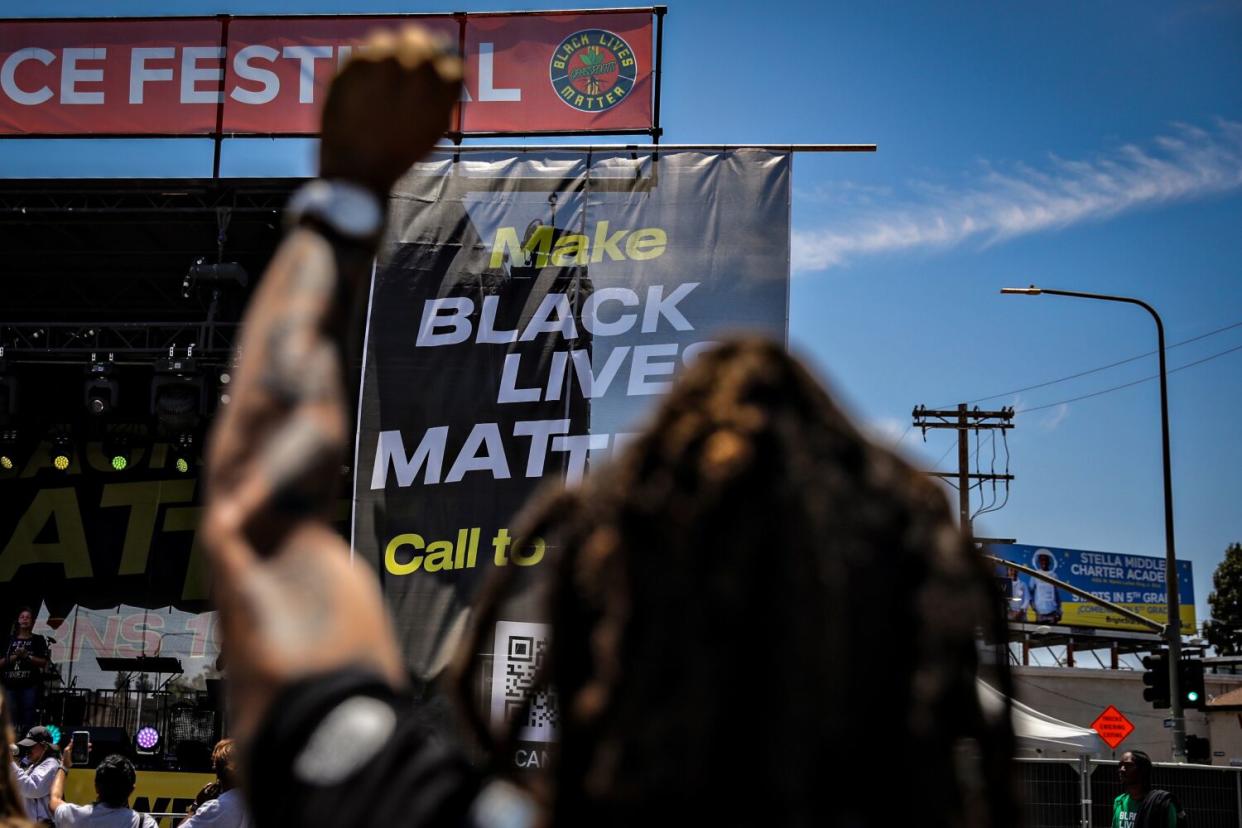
753 610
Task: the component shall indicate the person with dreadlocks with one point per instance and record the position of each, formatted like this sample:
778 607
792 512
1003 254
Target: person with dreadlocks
750 608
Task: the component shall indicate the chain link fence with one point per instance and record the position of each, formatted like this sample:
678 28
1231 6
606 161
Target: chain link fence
1079 793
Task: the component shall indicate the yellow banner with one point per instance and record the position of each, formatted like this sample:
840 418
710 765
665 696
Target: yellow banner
1094 615
157 792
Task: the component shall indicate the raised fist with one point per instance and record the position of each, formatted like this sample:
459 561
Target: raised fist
388 107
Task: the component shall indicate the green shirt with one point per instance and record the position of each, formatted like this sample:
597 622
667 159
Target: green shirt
1125 811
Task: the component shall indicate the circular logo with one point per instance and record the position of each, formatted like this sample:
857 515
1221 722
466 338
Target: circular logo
593 70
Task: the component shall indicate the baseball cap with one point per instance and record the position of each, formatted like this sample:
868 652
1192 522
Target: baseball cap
37 736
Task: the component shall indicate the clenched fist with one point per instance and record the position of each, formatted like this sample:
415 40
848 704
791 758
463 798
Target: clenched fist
388 107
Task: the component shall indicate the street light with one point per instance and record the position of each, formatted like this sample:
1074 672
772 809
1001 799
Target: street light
1172 629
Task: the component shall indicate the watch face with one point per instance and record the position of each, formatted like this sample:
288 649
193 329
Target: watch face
347 209
355 213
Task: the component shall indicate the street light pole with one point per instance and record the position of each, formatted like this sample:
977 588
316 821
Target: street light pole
1172 629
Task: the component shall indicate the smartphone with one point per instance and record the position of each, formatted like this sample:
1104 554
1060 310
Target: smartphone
80 748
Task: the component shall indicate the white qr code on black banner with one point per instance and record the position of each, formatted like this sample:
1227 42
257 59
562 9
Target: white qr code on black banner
520 651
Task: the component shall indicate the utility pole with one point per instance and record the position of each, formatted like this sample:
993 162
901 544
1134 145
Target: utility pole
964 421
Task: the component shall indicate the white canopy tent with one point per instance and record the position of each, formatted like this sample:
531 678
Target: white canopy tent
1037 731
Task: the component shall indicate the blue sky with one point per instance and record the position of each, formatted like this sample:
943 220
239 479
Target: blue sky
1084 146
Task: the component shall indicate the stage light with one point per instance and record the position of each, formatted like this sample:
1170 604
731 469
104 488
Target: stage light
61 451
147 739
203 272
101 393
8 449
177 394
116 451
183 452
8 410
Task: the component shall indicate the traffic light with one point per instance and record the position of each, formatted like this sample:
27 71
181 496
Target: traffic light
1198 750
1156 679
1190 683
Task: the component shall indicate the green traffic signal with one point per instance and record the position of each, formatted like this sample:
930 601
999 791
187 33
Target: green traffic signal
1190 683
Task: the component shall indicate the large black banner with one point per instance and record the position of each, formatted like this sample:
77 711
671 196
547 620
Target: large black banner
525 312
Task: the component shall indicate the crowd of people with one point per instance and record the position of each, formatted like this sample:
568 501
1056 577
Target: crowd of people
33 793
715 594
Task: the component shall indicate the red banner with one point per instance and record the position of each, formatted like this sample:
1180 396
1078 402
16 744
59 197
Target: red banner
132 77
525 73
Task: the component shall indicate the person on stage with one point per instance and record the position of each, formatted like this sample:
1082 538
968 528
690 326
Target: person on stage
25 657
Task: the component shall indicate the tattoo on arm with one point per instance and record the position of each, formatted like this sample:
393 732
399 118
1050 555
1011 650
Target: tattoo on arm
301 364
298 461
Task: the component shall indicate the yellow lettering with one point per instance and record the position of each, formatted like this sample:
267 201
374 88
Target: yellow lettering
570 250
647 243
529 556
439 556
605 243
59 507
197 584
507 243
409 567
500 544
143 500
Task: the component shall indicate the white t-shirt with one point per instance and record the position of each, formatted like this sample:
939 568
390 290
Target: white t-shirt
228 811
101 816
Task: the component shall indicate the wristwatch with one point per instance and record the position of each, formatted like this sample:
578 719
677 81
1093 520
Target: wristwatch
341 211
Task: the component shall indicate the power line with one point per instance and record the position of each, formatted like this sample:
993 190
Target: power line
1124 385
1094 371
1104 367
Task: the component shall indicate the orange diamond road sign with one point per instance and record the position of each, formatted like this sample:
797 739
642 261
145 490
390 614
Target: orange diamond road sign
1113 727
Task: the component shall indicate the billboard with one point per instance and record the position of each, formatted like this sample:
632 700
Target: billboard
526 73
526 311
1136 582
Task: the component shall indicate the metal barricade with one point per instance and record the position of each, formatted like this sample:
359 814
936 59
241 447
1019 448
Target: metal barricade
1050 792
1075 793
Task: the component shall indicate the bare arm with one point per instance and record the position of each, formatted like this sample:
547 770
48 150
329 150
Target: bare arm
290 602
58 790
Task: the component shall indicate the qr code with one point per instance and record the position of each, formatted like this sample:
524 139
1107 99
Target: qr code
521 649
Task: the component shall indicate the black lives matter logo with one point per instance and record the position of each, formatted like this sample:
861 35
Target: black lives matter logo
593 70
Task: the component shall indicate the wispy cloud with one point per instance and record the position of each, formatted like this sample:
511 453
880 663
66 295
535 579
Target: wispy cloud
1002 203
1055 417
886 430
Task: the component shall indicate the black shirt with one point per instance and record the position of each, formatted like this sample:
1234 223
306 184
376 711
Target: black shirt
344 750
23 673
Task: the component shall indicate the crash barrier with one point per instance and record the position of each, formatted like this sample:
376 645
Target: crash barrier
1079 793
